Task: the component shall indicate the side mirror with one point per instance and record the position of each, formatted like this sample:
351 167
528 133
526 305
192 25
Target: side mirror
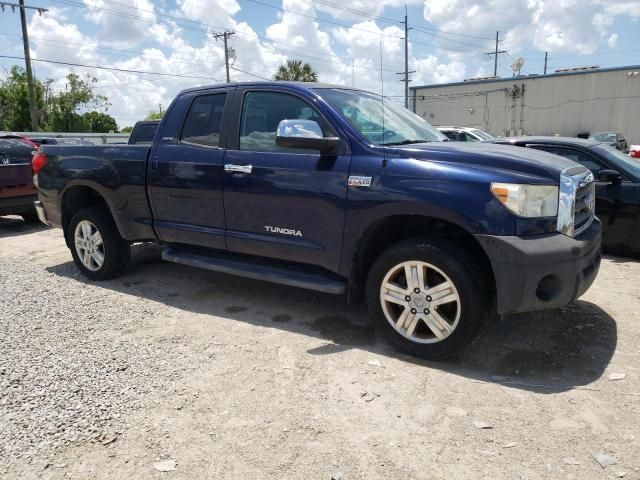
305 134
610 176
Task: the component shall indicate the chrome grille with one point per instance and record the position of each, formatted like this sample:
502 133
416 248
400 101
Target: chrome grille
576 209
584 207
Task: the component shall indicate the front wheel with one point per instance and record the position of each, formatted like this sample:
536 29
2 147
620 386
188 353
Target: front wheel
97 248
427 297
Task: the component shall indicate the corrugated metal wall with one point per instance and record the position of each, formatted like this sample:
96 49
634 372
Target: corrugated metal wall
564 104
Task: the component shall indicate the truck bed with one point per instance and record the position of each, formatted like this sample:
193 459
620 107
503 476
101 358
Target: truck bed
117 172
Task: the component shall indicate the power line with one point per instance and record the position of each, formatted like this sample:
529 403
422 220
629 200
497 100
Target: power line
296 52
495 68
124 70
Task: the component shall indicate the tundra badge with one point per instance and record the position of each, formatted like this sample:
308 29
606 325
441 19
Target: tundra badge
283 231
355 181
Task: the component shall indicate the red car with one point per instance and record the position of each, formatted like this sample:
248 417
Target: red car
17 192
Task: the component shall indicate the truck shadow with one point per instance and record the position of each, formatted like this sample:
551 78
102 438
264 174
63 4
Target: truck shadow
545 352
12 226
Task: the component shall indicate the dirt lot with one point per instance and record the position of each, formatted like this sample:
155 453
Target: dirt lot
210 376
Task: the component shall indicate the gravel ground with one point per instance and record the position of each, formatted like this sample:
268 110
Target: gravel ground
173 372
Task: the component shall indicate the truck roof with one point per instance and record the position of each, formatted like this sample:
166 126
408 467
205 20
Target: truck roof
274 83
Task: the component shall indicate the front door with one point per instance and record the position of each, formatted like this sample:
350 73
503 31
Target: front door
185 175
279 202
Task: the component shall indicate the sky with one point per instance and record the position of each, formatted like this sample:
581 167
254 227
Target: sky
351 42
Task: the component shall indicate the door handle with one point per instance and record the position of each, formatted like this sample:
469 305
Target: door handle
231 168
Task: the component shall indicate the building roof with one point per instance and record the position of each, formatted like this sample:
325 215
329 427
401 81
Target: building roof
527 77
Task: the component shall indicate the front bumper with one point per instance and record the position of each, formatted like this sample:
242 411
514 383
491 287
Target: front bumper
542 272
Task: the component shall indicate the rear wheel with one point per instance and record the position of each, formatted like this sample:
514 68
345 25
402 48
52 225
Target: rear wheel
97 248
428 297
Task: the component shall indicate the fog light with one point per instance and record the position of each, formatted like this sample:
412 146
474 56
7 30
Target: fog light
548 288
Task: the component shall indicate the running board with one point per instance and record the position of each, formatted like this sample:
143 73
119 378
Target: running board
258 269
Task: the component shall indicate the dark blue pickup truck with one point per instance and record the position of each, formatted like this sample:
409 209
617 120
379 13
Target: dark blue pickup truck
328 188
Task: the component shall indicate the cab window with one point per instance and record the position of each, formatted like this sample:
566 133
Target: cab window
202 124
263 111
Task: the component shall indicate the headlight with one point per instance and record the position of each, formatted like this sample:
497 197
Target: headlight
527 200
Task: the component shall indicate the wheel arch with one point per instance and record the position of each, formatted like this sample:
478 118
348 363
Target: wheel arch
392 229
78 196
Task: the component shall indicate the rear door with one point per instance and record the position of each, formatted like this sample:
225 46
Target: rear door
286 204
185 171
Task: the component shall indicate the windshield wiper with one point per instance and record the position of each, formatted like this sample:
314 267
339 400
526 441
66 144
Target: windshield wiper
406 142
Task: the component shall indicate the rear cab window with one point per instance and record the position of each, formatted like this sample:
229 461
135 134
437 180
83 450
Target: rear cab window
203 120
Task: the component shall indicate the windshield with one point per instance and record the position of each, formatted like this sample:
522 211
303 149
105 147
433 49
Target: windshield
398 126
482 135
604 137
620 160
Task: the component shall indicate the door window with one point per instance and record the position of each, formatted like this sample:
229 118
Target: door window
263 111
583 159
202 125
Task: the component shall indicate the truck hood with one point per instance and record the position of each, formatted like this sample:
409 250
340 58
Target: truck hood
507 158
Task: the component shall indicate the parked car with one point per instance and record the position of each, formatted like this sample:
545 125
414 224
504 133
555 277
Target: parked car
616 140
60 141
634 151
617 185
465 134
22 138
17 192
323 187
143 132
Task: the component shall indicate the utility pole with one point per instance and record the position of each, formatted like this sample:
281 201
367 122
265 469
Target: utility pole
406 61
27 55
496 52
225 35
546 55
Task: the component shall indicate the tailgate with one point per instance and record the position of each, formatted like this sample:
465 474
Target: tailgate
15 163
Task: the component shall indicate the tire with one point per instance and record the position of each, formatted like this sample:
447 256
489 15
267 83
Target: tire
465 308
110 246
30 216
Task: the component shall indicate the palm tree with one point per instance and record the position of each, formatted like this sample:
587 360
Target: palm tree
296 71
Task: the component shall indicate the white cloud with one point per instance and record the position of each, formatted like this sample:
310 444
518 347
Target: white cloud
613 40
559 26
121 26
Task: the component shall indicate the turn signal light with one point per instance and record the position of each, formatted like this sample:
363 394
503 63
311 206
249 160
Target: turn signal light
37 161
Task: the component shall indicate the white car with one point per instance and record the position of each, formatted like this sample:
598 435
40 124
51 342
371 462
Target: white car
465 134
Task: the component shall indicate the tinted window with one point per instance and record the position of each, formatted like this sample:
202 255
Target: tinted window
619 160
202 125
146 132
577 156
263 111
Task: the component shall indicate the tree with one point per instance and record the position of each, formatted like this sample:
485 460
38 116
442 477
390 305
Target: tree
295 70
15 114
100 122
126 130
153 115
69 106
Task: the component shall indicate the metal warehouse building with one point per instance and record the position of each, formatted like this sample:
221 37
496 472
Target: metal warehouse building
564 103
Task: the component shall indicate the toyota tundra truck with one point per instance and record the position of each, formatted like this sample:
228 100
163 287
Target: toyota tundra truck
333 189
